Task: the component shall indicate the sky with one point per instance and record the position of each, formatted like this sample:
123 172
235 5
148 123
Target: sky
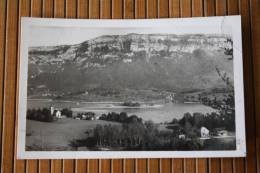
68 35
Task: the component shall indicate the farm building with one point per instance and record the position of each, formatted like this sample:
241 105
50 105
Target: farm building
204 132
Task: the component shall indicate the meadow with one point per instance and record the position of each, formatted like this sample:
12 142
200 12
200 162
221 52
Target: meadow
59 134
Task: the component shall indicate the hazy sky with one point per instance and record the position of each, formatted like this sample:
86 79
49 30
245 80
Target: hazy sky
46 36
49 36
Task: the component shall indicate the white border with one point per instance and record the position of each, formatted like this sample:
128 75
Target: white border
220 24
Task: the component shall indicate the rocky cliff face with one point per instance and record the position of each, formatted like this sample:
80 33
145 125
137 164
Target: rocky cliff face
167 62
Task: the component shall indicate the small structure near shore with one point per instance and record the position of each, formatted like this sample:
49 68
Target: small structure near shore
222 133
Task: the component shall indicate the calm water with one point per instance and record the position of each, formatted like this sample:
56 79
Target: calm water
159 112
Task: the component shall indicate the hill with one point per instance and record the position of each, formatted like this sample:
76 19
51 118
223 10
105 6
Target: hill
112 64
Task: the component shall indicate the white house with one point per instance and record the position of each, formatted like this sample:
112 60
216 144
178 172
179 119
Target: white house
127 60
204 132
58 114
182 136
170 98
84 117
55 112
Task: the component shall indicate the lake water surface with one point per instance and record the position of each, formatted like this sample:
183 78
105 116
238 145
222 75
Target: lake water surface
157 112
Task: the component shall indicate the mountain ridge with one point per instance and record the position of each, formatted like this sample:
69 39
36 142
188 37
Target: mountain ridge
139 61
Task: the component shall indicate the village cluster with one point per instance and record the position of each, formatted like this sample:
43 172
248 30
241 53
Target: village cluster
57 113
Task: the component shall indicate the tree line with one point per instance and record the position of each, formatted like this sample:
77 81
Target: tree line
120 117
191 124
135 136
45 115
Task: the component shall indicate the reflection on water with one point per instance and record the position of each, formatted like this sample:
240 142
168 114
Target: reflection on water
157 112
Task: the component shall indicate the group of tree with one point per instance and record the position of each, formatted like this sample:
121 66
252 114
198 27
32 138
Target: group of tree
191 124
126 45
131 104
45 115
223 117
137 136
132 133
66 112
40 115
120 117
85 115
229 50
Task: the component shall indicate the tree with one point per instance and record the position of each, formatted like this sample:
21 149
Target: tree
43 115
99 134
198 119
133 119
122 117
174 121
127 45
229 50
225 79
168 43
82 49
67 112
186 118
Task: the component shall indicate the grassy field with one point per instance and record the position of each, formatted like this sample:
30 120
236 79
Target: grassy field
58 135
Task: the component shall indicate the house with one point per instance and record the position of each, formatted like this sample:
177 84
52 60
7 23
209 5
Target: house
204 132
182 136
84 117
170 98
56 112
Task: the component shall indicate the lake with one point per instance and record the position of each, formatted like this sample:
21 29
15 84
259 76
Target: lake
157 112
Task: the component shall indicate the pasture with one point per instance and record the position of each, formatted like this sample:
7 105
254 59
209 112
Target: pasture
57 135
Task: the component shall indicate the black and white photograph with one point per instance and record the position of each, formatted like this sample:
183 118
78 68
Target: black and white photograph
134 88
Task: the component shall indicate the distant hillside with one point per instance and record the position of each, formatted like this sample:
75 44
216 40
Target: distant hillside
137 61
